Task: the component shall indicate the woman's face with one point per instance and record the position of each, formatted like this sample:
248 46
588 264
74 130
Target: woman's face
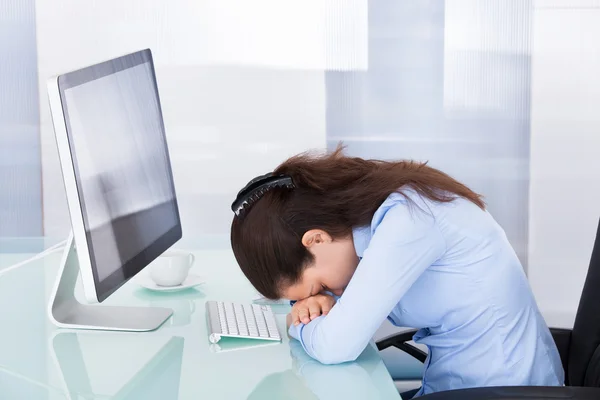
334 264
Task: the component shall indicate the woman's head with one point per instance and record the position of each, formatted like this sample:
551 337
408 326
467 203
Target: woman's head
293 242
284 231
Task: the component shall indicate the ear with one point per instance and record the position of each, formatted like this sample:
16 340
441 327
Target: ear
315 237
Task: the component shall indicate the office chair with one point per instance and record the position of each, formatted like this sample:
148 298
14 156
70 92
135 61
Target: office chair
579 350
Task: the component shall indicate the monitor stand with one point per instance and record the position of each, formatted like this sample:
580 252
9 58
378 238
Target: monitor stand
66 312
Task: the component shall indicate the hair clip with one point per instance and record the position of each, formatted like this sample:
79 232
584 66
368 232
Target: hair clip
256 188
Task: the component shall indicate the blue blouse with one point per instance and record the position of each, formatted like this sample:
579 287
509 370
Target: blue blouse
448 270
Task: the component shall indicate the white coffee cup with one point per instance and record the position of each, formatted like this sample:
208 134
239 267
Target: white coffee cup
171 268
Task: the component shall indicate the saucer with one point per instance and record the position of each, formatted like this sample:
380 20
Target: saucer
190 282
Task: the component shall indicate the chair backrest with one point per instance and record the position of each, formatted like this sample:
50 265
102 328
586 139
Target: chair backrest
584 352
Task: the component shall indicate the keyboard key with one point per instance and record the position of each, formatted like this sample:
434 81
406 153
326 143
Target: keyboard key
271 324
240 319
213 315
231 322
222 319
252 329
260 321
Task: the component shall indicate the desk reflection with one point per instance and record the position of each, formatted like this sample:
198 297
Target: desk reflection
309 379
157 378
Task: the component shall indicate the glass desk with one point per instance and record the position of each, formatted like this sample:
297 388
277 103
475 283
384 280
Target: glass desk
39 361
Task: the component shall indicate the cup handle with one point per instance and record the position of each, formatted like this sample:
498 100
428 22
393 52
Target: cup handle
192 259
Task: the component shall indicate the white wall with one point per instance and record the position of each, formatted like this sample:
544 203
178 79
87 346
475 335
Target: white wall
242 85
565 140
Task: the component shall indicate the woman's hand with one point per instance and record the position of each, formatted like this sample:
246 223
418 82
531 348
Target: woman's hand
304 311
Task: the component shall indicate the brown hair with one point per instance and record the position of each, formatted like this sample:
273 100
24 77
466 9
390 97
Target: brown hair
332 192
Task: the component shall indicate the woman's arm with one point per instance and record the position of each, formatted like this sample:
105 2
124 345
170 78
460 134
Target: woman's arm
406 242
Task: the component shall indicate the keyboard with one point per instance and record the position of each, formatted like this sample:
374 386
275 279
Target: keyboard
248 321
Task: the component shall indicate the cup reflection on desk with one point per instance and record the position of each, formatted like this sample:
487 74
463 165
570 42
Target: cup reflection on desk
182 310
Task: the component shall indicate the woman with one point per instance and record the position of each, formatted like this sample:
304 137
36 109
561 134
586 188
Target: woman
395 240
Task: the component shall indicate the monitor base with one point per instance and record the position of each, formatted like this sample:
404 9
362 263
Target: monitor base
65 311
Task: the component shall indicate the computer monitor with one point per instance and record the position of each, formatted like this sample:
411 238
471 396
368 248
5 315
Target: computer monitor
116 169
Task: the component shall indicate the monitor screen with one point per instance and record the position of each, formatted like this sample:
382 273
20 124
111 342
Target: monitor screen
122 168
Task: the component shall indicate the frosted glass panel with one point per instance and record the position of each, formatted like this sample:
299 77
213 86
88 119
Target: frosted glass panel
447 81
20 165
242 85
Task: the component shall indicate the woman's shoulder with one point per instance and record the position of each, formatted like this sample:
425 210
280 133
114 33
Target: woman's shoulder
406 203
407 219
458 219
410 200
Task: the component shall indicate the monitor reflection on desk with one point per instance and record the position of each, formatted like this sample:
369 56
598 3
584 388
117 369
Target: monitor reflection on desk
158 378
